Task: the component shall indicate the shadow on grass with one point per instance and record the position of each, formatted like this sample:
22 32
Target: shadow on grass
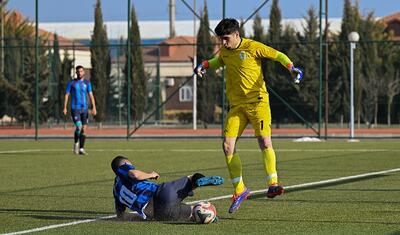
58 186
59 217
15 195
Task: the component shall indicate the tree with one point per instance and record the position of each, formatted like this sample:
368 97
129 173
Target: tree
371 65
101 63
28 84
275 26
350 22
13 51
137 74
20 70
65 77
310 61
258 29
208 85
56 67
242 33
275 75
273 72
391 75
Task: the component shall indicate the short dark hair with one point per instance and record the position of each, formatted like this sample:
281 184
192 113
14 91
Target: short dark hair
79 67
116 162
227 26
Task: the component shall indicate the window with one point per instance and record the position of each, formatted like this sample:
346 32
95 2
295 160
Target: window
185 94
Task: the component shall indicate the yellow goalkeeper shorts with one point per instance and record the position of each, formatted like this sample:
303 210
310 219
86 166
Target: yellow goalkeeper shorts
258 114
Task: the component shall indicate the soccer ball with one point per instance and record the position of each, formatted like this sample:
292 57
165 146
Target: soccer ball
204 213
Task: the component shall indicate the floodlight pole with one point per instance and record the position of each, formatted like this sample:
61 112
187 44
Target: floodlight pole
320 69
352 47
353 38
326 71
223 83
2 36
36 68
128 72
194 75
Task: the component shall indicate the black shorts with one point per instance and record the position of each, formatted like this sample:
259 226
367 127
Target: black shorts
168 205
80 115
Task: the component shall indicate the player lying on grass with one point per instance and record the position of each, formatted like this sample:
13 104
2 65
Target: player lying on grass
133 190
248 102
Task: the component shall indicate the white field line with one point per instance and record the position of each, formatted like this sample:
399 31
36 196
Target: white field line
298 186
197 150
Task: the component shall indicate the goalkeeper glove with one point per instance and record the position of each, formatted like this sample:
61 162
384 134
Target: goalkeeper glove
297 73
200 69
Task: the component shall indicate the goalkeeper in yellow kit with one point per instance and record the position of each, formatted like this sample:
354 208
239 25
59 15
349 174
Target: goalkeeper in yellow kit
248 101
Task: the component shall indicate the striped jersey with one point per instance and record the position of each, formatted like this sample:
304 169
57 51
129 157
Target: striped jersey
130 193
79 90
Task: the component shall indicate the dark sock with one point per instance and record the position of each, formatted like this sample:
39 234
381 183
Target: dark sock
195 177
76 136
82 139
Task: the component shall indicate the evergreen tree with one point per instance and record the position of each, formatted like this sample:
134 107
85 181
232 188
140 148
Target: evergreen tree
20 70
258 29
208 85
54 79
65 77
274 73
276 76
275 26
138 77
12 61
310 62
242 32
101 63
350 22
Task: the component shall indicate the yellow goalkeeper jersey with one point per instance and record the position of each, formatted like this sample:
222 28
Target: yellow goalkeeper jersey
244 77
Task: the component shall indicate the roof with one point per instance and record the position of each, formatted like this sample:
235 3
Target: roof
392 23
391 18
63 41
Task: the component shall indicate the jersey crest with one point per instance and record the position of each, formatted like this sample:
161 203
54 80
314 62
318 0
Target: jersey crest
242 55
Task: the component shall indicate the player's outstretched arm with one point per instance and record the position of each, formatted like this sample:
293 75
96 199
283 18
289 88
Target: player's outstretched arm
141 175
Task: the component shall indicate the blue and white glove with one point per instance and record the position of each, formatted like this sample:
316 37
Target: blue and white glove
200 70
297 73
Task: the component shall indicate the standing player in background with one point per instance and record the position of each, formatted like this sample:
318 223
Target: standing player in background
249 102
79 88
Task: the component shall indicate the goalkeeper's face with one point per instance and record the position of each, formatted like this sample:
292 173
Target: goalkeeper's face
230 41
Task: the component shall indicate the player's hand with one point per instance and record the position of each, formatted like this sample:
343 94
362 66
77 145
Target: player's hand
297 73
199 70
65 111
94 111
154 175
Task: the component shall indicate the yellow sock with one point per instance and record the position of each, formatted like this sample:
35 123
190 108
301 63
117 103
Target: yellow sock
235 171
269 160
